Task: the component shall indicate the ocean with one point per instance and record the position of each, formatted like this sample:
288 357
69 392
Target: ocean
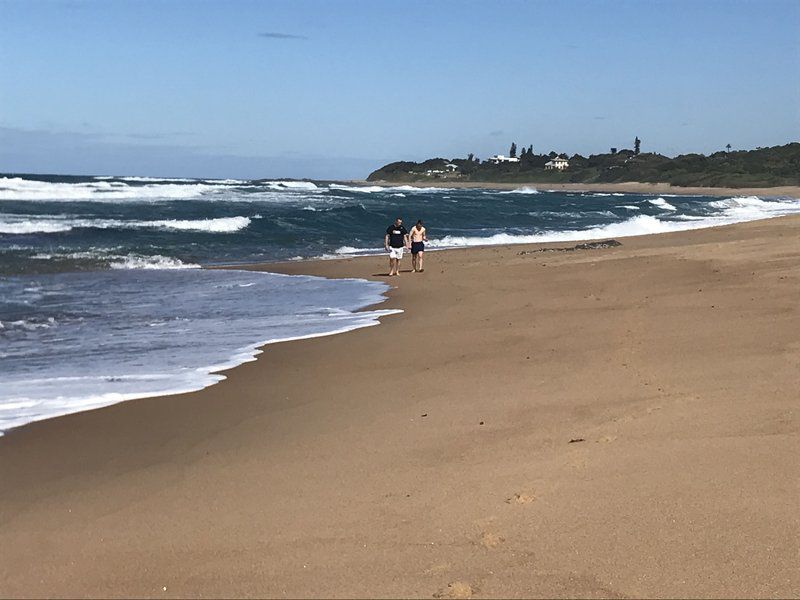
103 297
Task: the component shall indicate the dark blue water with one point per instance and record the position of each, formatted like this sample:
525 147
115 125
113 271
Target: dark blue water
49 225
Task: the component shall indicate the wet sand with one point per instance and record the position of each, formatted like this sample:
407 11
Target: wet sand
594 423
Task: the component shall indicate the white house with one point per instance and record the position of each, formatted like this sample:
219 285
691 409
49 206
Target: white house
499 158
451 168
557 163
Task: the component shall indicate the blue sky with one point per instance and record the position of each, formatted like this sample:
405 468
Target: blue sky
334 89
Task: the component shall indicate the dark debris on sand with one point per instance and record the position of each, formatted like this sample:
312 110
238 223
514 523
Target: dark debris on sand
585 246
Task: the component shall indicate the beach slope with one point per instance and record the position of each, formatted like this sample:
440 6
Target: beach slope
539 422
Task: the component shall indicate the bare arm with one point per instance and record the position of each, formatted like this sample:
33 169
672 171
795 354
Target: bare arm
386 241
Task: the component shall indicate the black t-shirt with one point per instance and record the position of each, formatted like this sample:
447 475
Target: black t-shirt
397 235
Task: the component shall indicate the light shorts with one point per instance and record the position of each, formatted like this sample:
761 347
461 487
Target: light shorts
396 253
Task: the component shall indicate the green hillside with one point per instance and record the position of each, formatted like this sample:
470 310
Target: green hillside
763 167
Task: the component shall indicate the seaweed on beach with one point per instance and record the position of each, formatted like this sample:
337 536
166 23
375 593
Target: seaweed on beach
584 246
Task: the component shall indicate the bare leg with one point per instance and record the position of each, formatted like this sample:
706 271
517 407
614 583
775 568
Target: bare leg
391 266
414 262
419 261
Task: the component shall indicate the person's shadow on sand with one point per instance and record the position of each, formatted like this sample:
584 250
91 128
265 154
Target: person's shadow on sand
387 275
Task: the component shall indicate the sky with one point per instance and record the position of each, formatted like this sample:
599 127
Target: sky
334 89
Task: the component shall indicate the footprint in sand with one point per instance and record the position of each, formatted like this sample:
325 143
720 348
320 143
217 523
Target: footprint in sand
491 540
521 498
437 569
456 589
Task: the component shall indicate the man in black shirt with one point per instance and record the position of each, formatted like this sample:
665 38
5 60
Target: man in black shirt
395 240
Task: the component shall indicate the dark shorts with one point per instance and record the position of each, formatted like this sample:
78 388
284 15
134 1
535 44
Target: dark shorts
417 247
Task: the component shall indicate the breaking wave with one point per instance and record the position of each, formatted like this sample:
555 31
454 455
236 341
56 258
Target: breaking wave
373 189
16 188
55 224
133 261
522 190
290 185
663 204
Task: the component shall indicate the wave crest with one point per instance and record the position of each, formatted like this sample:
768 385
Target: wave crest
56 224
135 261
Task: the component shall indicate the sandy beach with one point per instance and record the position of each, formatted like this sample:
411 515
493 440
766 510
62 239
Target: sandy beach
632 187
618 422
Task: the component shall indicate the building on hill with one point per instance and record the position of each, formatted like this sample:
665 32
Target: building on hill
499 158
557 164
451 168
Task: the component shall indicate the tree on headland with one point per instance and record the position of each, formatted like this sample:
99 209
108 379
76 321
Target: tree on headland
636 145
470 157
513 151
530 150
760 167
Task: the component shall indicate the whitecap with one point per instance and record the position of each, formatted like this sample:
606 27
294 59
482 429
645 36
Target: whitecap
135 261
662 204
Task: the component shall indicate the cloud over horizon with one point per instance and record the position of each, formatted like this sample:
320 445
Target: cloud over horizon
276 35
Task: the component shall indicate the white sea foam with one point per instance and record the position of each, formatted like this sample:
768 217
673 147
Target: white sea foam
59 223
16 188
135 261
291 185
754 203
236 182
27 324
735 210
630 207
363 189
169 333
89 254
350 250
371 189
638 225
26 226
426 190
662 204
522 190
219 225
154 179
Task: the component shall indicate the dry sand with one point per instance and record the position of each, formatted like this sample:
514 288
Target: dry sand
595 423
632 187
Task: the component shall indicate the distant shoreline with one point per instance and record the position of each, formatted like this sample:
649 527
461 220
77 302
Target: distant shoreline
627 187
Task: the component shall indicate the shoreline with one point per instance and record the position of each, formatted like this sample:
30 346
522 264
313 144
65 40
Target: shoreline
626 187
288 267
523 412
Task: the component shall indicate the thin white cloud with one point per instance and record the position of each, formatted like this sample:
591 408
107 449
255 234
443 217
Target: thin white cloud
276 35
